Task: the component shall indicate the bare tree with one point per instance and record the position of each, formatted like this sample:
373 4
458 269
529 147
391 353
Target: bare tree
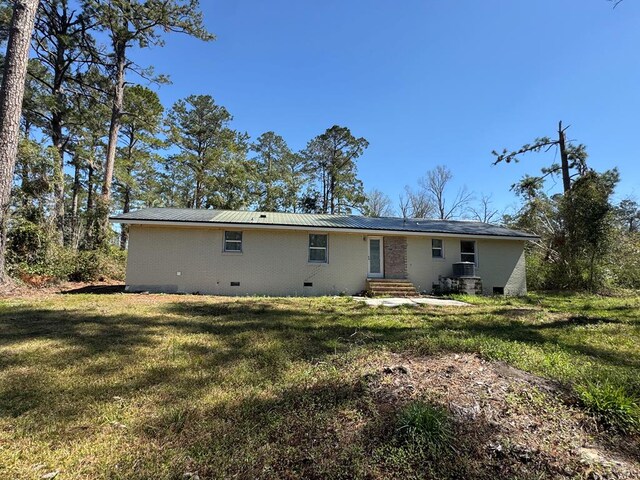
485 212
416 204
404 205
378 204
434 185
11 95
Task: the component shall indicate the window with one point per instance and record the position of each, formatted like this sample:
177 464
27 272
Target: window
468 251
437 250
233 241
318 248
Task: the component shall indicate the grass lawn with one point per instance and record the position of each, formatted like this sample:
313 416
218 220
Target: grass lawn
165 386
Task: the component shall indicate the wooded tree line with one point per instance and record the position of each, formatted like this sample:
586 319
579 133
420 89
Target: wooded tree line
94 138
587 240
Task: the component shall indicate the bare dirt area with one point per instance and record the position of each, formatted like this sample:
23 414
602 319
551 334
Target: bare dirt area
18 288
518 423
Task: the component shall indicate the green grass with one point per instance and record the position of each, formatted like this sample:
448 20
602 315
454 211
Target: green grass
427 425
156 386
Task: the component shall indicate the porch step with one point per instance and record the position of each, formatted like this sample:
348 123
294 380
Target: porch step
389 287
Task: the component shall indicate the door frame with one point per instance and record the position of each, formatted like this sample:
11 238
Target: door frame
375 275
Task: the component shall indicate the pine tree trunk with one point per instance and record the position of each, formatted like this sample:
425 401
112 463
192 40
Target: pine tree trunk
90 213
126 207
11 95
566 179
60 31
75 230
56 137
332 193
114 129
198 193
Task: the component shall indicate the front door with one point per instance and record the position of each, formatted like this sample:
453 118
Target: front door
376 268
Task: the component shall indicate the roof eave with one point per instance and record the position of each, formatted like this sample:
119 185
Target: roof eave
268 226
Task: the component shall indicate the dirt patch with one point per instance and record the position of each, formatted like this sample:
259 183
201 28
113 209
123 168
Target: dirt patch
510 421
16 288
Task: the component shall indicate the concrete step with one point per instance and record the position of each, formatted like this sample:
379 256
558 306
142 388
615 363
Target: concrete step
385 289
390 287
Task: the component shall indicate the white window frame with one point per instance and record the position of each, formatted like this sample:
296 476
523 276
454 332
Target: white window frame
326 249
475 251
224 241
441 257
380 274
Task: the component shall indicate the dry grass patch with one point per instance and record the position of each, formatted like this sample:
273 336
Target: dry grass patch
159 386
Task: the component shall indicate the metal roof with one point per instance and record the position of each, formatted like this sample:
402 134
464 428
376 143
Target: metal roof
315 221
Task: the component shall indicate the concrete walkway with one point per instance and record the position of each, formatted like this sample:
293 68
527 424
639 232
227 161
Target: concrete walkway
397 301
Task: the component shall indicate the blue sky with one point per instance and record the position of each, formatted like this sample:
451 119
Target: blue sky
426 82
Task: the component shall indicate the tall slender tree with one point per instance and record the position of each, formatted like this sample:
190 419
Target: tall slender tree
201 131
135 163
271 161
64 49
333 156
11 95
297 175
138 23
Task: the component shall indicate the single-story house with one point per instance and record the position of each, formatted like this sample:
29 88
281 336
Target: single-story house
264 253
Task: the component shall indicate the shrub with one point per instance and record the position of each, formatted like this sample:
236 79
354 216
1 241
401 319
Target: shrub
27 242
624 261
102 264
612 405
427 425
64 263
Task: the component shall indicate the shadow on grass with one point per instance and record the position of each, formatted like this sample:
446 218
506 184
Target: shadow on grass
181 348
184 346
332 429
96 289
556 333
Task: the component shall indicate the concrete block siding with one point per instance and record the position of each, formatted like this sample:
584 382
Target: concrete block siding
275 262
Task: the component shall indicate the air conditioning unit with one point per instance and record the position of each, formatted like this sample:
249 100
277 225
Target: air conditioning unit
464 269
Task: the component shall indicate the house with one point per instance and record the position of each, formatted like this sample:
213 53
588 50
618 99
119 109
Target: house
263 253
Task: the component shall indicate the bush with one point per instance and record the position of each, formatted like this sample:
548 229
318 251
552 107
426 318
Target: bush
624 261
27 242
64 263
612 405
98 265
537 271
427 425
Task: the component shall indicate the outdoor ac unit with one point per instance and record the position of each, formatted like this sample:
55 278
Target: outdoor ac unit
464 269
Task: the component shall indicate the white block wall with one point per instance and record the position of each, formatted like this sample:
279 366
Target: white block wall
275 262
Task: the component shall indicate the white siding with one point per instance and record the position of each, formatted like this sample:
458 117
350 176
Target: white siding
500 263
271 263
275 262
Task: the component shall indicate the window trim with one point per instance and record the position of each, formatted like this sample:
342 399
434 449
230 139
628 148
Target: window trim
475 251
441 257
224 242
309 248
